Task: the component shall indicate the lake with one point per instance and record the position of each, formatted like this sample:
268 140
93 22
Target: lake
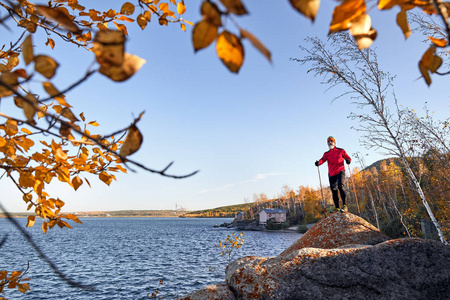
125 258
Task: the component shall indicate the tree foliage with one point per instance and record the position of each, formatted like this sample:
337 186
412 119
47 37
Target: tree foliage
46 140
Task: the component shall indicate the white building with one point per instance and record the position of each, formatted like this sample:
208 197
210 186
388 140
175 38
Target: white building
278 214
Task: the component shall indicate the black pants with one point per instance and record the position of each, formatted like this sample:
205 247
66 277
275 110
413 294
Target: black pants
337 183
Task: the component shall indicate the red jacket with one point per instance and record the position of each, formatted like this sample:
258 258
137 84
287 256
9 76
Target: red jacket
335 158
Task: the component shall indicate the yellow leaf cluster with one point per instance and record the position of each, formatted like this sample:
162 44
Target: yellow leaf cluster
14 280
229 47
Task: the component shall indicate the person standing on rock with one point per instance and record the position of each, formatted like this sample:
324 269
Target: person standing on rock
336 171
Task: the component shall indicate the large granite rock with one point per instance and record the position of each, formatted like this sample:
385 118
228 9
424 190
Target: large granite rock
211 292
344 257
336 230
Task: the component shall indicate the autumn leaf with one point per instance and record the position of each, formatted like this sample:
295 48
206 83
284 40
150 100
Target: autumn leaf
31 220
234 6
9 79
181 9
23 287
402 22
388 4
142 21
211 13
429 63
128 68
29 106
109 47
68 114
308 8
132 142
105 177
362 31
93 123
438 42
60 154
365 40
44 227
27 50
127 9
41 111
3 142
230 51
345 13
45 65
76 182
256 43
73 218
59 16
50 42
203 34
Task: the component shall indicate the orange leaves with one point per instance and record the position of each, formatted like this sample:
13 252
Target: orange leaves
256 43
430 62
45 65
9 79
114 63
14 280
203 34
344 14
132 142
211 13
234 6
388 4
402 22
31 220
29 107
229 47
76 182
59 15
438 42
27 50
181 9
230 51
105 177
362 31
308 8
127 9
109 47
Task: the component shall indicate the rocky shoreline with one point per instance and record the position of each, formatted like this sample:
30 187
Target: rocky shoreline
341 257
253 225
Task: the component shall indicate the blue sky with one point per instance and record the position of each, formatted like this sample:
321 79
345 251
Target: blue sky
248 133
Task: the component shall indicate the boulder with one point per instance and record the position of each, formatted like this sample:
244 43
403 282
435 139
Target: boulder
396 269
336 230
211 292
343 257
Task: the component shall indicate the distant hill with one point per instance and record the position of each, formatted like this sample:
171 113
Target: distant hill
377 164
219 212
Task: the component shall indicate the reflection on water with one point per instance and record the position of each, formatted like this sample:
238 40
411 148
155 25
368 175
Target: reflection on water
125 258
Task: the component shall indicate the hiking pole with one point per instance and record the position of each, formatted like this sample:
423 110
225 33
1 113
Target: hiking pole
354 188
321 191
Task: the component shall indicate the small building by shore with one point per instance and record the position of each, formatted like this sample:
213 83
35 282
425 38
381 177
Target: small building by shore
278 214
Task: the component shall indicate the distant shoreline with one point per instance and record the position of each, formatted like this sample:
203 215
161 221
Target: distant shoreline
110 214
120 214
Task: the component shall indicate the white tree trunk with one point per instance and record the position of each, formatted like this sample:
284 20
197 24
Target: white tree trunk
424 201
